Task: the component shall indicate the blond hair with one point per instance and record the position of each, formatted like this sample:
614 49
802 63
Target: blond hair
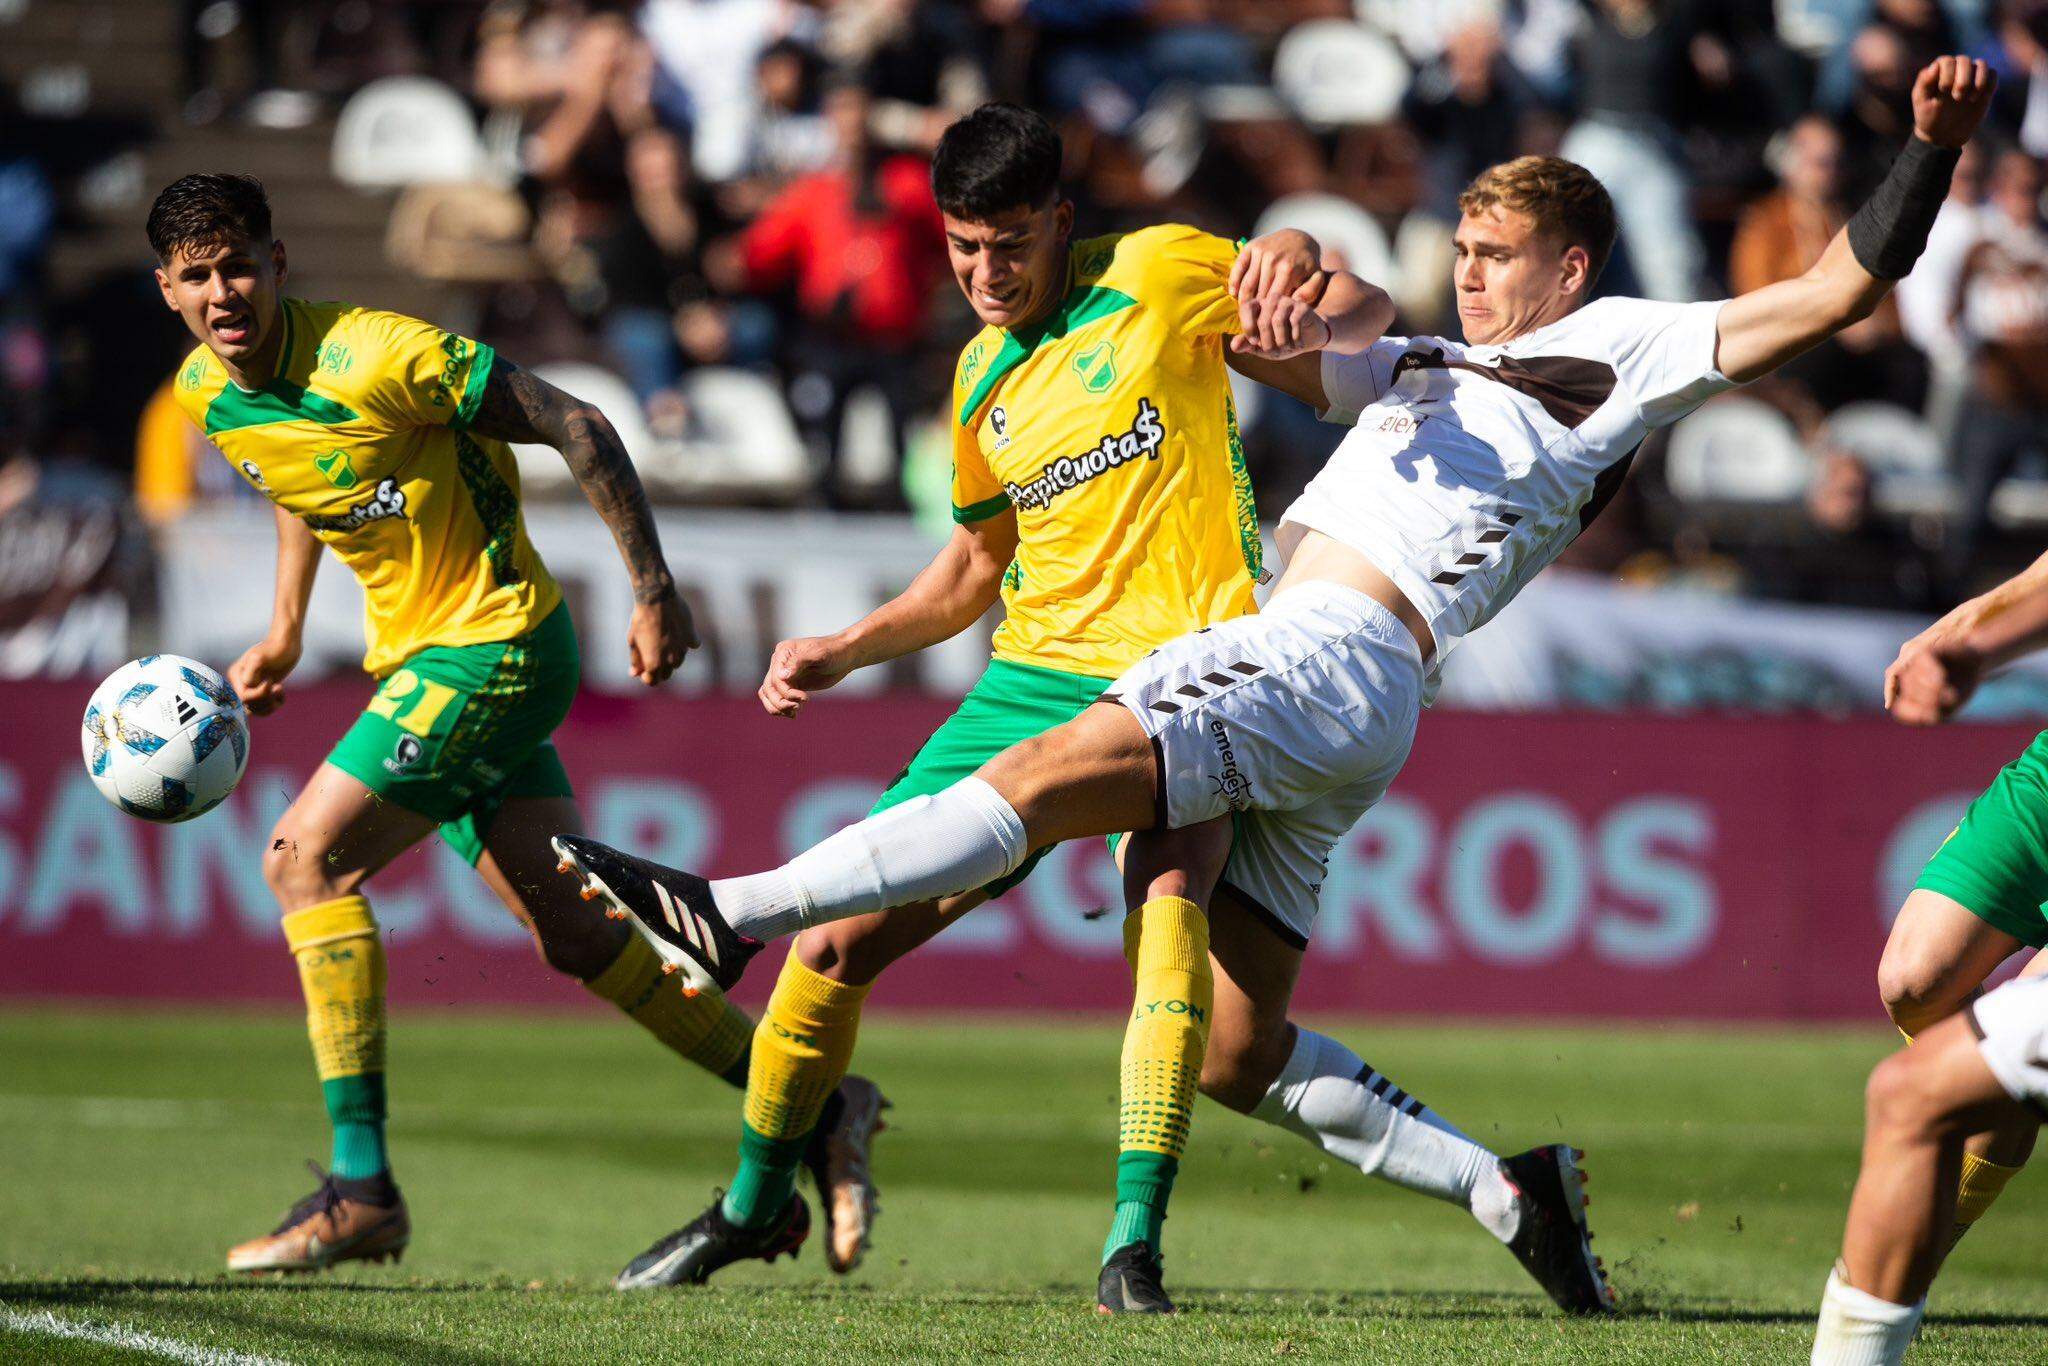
1564 199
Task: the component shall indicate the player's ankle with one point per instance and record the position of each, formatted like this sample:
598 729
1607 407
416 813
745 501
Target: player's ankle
1497 1204
378 1189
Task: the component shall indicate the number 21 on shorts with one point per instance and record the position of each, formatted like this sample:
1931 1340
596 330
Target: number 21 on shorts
414 703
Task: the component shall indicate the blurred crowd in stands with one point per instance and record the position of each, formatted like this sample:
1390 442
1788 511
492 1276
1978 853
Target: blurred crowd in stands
715 208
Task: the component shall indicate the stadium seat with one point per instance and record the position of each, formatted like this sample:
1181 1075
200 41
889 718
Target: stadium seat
541 469
1422 26
1339 225
405 130
1736 450
742 438
1333 72
1887 438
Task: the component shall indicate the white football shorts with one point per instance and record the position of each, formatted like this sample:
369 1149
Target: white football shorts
1295 719
2011 1025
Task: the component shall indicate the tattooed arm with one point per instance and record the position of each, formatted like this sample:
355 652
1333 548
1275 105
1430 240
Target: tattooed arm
518 406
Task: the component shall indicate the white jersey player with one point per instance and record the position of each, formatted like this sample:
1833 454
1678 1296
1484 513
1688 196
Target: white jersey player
1470 465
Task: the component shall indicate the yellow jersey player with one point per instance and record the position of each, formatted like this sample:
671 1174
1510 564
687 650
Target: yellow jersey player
1099 491
384 439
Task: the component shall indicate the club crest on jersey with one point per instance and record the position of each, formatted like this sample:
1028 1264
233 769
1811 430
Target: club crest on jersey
1141 441
387 501
999 423
1097 368
336 468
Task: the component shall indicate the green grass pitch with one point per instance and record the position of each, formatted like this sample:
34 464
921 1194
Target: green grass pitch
539 1153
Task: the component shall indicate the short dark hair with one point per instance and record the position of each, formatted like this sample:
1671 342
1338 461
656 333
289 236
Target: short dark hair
208 211
1566 201
999 158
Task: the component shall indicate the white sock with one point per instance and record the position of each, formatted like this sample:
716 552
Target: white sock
928 847
1351 1112
1859 1329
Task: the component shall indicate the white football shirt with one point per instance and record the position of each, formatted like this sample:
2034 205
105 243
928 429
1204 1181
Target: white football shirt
1469 468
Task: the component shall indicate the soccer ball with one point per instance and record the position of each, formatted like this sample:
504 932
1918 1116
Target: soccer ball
166 738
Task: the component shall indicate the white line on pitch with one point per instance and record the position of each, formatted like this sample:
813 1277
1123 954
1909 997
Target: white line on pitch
45 1324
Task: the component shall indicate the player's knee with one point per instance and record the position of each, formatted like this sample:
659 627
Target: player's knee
855 951
1240 1066
297 870
1900 1099
1916 992
582 948
1185 862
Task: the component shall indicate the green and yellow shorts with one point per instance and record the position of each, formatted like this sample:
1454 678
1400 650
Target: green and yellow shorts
1010 702
458 730
1995 863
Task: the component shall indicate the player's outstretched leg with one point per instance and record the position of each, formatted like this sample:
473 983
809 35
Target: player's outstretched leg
1091 776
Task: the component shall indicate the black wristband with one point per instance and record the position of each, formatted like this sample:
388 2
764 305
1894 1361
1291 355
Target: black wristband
1890 231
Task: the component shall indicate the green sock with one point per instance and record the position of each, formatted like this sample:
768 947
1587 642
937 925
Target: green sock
762 1187
355 1107
1144 1182
741 1066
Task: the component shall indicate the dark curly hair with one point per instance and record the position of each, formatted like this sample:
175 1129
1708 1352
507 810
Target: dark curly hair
208 211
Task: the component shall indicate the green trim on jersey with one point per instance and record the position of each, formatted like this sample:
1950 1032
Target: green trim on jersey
278 401
457 731
982 511
1248 540
1009 703
497 507
480 366
1995 864
1077 309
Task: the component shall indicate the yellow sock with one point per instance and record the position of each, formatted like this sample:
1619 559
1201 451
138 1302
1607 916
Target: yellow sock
341 971
706 1028
1167 943
801 1050
1980 1185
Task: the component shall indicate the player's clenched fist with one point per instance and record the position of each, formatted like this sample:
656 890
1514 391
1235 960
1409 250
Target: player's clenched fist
1932 678
1278 264
258 676
799 668
1949 99
661 633
1275 329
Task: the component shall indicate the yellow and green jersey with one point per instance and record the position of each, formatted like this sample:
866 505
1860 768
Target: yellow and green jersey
1108 426
363 436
